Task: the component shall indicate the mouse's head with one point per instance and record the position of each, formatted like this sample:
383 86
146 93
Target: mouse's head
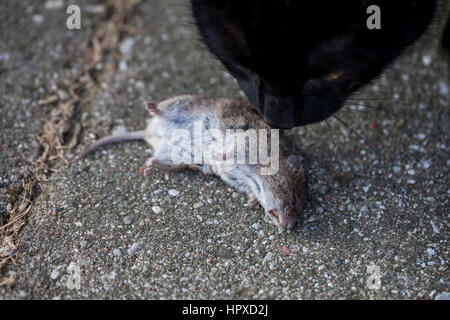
298 61
285 196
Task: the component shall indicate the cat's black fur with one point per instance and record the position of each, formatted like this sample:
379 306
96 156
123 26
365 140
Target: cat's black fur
298 60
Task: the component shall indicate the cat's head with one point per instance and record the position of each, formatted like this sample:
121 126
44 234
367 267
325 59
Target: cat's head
298 61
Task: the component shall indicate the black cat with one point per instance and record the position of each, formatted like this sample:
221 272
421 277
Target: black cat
297 61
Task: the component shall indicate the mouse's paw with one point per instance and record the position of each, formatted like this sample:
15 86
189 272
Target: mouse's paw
252 200
147 169
153 108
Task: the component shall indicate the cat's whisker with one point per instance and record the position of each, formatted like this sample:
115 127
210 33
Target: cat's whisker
336 144
354 132
374 99
348 107
377 108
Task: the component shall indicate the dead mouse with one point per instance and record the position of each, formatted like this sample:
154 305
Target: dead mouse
212 136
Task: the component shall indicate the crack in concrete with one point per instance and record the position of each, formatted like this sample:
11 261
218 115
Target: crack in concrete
60 132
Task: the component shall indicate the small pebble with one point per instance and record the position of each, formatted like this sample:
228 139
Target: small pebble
285 251
133 249
197 205
174 192
426 60
337 261
426 164
37 18
156 209
126 46
55 274
443 296
397 169
53 4
123 66
268 257
96 9
443 88
112 275
128 219
421 136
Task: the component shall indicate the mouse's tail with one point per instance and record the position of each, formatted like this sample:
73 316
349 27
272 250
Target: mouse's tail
126 136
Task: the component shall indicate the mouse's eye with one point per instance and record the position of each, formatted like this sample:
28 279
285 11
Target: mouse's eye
294 162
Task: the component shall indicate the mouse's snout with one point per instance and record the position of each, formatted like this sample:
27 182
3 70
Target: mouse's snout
287 222
281 219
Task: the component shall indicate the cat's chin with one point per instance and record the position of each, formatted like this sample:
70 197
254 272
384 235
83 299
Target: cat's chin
297 61
315 101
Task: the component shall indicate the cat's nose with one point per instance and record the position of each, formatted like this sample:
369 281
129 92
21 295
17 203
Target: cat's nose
279 112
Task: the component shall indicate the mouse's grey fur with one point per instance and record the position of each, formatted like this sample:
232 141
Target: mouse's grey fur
283 194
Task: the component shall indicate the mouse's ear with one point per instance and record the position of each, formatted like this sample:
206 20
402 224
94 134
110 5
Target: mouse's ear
152 108
294 162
